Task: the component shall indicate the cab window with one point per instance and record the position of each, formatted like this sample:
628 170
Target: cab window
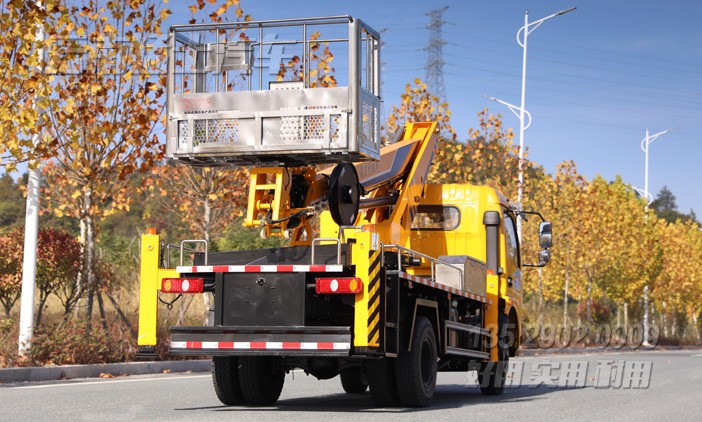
436 217
511 239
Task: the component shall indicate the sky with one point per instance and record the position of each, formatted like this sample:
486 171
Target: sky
596 77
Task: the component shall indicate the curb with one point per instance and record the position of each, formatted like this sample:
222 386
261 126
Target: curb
51 373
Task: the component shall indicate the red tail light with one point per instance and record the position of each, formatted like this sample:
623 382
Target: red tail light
183 285
329 285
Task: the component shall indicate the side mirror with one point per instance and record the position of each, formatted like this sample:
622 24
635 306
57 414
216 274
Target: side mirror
545 239
544 257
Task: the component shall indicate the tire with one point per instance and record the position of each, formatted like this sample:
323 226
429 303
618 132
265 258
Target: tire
492 376
416 369
381 380
225 377
261 379
354 380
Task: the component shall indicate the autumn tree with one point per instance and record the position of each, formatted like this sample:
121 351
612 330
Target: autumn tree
105 123
678 288
419 105
205 200
490 157
559 198
58 264
27 28
320 59
59 259
619 253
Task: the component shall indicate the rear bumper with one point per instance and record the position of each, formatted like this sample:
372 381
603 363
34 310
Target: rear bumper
273 341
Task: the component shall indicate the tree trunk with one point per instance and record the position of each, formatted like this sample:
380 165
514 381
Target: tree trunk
626 315
40 309
81 273
103 317
663 320
541 297
89 256
185 305
565 299
588 303
123 317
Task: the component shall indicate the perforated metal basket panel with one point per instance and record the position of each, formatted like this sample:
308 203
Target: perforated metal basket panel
221 131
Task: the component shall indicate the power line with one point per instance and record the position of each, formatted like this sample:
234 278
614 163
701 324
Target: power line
580 47
617 56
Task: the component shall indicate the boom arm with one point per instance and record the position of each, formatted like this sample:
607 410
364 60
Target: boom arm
283 200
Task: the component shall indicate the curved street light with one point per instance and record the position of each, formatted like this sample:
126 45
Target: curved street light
642 192
514 109
522 38
644 147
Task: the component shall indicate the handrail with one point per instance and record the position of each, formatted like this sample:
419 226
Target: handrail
342 236
319 20
328 239
433 260
174 246
203 241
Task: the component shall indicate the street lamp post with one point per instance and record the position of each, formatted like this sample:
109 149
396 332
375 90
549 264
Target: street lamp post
31 230
527 29
521 114
644 147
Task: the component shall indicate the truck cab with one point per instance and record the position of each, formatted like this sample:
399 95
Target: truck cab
448 222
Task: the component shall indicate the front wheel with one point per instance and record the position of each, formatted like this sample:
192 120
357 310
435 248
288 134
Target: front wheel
492 376
416 369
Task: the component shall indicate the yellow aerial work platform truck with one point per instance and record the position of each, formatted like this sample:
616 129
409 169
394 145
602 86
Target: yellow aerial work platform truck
387 279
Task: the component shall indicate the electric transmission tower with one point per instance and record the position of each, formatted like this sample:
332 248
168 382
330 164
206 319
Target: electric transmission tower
435 54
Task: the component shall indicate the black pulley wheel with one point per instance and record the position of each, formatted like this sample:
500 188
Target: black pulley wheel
344 194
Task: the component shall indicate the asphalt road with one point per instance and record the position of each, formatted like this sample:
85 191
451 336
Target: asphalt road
637 386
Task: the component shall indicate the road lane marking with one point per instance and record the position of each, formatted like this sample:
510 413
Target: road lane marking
106 380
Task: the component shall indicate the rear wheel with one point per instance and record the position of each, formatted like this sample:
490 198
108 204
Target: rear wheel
225 376
381 380
416 369
261 379
354 380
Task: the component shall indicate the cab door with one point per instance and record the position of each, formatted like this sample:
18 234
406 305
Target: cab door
512 258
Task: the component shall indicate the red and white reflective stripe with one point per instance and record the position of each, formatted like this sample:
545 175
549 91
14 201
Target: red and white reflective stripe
260 345
261 269
428 282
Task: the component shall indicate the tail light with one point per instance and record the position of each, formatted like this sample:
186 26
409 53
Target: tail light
183 285
332 285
